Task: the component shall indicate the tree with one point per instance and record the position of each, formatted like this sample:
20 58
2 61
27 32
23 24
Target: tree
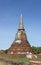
36 50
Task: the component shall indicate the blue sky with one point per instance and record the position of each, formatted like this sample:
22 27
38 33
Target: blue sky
10 11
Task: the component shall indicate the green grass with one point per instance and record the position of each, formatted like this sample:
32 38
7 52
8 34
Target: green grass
16 59
38 59
21 59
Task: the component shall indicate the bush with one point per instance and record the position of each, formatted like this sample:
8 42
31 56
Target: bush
36 50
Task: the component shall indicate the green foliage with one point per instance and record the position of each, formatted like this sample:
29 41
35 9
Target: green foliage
36 50
5 51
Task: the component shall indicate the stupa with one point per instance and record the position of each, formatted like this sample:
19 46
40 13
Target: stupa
20 46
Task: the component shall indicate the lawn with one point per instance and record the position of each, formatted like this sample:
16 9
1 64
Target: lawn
12 59
15 59
19 59
22 59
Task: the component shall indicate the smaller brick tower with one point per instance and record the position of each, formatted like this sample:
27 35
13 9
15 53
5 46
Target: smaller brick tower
20 47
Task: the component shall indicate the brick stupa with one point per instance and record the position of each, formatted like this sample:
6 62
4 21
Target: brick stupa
20 46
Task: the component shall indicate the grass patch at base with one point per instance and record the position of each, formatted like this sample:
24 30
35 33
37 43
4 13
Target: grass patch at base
22 59
19 59
38 59
16 59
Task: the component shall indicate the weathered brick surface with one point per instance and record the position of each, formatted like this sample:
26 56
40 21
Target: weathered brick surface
39 55
23 47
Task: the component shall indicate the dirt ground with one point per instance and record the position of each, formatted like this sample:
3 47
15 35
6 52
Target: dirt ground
17 63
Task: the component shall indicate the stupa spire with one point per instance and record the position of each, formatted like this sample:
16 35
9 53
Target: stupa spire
21 26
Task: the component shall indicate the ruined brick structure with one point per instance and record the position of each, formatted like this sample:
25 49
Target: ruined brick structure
20 46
